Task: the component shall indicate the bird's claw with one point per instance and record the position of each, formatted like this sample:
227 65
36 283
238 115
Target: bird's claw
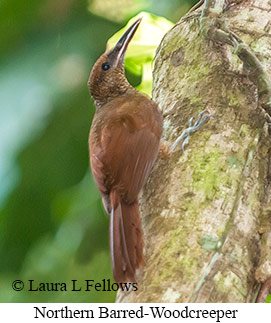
185 136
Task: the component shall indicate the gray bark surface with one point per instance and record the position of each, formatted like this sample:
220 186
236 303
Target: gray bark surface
206 213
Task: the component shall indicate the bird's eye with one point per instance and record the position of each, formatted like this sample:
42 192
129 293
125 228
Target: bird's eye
105 66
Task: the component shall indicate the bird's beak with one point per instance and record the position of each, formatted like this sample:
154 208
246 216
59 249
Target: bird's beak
116 55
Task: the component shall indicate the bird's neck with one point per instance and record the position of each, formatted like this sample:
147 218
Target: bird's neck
126 90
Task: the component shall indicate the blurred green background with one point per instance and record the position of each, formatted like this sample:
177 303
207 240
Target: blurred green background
52 224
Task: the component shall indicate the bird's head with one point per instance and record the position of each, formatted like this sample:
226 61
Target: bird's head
107 79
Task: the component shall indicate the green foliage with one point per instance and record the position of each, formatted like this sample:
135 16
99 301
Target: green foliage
141 50
268 299
52 226
122 10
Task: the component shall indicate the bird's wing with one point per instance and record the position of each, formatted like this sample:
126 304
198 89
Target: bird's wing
126 151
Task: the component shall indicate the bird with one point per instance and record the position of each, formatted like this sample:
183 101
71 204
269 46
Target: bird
123 146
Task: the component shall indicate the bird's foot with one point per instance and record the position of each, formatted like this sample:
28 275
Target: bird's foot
264 291
186 134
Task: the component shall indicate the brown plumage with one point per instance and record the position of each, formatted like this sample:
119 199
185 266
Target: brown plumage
123 143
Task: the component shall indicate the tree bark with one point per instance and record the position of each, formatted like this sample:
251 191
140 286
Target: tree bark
206 213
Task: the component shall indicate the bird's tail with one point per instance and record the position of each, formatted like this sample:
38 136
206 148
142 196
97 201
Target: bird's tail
126 240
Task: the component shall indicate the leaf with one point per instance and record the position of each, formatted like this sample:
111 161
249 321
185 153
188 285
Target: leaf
141 50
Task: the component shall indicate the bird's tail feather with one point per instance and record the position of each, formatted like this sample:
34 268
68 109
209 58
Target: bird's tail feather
126 240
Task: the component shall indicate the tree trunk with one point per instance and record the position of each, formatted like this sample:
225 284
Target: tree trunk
206 213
